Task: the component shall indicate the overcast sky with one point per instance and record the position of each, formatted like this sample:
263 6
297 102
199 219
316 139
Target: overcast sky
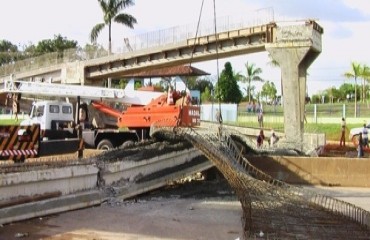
346 26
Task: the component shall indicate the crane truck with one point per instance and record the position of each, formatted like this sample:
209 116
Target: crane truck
51 127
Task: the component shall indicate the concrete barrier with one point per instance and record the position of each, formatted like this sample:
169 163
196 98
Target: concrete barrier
325 171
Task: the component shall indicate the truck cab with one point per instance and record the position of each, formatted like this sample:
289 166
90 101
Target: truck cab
51 115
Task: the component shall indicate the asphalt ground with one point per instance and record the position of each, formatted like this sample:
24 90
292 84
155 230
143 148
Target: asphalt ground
195 210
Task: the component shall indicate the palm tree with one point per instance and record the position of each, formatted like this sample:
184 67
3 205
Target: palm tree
365 75
111 10
355 72
252 75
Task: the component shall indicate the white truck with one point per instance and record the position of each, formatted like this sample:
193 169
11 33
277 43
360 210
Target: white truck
52 126
56 121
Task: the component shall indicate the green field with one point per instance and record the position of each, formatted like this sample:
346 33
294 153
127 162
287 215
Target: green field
9 122
332 131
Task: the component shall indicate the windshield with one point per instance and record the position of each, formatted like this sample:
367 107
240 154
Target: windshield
38 111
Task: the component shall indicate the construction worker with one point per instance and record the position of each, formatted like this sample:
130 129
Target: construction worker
16 108
170 96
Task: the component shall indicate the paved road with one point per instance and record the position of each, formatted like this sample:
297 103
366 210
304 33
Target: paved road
355 195
197 216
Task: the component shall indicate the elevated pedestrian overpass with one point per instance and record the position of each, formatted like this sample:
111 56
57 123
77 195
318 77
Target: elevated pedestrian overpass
294 46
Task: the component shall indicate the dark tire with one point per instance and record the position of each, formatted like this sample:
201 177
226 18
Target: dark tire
105 144
127 144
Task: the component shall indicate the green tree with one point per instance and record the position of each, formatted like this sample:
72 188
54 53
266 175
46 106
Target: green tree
227 88
332 94
8 52
252 75
354 73
111 11
202 84
365 75
206 95
59 44
345 90
268 91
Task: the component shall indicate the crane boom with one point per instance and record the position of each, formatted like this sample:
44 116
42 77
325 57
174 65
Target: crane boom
61 90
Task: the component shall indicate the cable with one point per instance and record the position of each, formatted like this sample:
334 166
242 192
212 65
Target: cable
217 62
196 33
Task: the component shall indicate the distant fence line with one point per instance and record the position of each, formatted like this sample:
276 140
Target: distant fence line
315 113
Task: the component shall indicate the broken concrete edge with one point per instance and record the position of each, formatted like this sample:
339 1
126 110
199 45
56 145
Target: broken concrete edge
135 189
89 198
51 206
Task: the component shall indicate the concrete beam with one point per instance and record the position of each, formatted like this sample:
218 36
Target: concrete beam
50 206
132 170
43 192
66 180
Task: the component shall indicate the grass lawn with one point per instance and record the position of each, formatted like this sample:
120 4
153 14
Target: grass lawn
332 131
9 122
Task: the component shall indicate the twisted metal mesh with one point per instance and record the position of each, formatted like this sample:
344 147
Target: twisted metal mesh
271 208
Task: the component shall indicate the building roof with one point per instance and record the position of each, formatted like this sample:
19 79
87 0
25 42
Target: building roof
181 70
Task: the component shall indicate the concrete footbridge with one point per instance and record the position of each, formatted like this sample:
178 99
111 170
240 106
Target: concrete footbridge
293 45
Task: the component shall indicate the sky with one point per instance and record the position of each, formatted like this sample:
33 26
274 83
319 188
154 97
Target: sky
346 26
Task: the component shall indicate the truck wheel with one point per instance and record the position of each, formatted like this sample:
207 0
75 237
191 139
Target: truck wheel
105 144
127 144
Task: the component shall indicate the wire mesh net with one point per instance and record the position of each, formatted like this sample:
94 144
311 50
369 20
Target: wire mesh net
273 209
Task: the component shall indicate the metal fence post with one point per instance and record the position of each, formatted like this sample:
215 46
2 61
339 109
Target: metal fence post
344 110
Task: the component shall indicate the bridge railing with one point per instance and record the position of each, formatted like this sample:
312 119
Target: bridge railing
148 40
180 34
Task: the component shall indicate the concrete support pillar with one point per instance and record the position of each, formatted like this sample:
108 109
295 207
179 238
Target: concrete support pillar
293 62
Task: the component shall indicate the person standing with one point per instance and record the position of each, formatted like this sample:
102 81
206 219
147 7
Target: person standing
273 139
170 96
260 139
16 108
218 116
260 118
219 120
342 141
360 147
365 137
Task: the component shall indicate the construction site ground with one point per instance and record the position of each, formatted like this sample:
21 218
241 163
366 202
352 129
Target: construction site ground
191 210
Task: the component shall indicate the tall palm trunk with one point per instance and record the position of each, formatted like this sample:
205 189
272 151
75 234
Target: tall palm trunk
110 38
355 97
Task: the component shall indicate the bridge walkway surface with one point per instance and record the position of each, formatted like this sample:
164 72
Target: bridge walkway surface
273 209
